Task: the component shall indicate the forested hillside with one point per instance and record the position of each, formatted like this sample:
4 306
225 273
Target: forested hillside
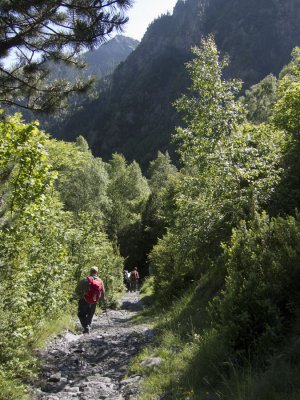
101 61
135 115
99 64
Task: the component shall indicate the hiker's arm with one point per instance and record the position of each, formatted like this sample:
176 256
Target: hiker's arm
102 296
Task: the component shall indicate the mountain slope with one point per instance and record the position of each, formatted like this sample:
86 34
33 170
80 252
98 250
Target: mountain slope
100 62
104 60
135 116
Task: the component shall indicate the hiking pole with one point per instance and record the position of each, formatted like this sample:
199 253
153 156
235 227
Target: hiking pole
105 310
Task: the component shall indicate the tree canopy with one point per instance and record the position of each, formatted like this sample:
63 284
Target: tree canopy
36 32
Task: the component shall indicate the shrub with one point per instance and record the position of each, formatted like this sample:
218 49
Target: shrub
261 294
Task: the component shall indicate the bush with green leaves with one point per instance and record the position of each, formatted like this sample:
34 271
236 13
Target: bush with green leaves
33 253
286 199
260 299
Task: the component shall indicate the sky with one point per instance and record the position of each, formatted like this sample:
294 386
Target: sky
142 13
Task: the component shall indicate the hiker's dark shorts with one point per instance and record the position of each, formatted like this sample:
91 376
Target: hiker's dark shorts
86 312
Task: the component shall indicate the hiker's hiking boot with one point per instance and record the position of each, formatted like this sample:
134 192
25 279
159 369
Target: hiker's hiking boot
87 329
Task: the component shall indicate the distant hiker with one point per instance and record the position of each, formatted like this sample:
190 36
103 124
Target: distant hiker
134 279
127 279
90 290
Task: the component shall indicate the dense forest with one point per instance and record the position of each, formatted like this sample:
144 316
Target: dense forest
219 232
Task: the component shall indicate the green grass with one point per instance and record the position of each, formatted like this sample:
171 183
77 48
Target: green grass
198 365
147 292
51 328
12 389
181 327
279 380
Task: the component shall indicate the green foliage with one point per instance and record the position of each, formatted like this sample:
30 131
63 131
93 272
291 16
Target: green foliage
286 117
234 172
162 176
261 293
260 99
53 32
24 171
88 246
162 181
12 389
231 168
287 108
75 164
159 171
190 359
128 191
212 116
53 201
210 111
32 251
170 263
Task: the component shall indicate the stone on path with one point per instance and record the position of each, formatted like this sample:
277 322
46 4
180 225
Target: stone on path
151 362
89 367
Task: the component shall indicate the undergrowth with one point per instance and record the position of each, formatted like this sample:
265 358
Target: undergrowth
197 363
17 376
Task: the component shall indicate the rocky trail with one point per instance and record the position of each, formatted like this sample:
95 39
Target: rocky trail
93 366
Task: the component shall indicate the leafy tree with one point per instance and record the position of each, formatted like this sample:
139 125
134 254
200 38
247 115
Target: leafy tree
24 172
206 206
144 234
128 192
36 32
89 245
32 246
161 173
82 143
286 117
230 169
160 170
260 99
82 179
210 111
287 108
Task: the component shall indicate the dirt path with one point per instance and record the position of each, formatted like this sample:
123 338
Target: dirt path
89 367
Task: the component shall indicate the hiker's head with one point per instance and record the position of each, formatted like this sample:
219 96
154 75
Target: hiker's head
94 271
135 268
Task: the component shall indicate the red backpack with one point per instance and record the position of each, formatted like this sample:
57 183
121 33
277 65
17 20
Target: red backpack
94 290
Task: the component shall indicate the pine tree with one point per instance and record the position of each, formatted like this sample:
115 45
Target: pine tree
36 32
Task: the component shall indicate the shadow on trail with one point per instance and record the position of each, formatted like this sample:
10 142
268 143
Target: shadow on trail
132 307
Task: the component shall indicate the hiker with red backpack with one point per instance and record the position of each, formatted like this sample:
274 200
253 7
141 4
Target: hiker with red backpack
134 279
89 290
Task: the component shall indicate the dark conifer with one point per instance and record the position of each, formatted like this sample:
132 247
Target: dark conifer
35 32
